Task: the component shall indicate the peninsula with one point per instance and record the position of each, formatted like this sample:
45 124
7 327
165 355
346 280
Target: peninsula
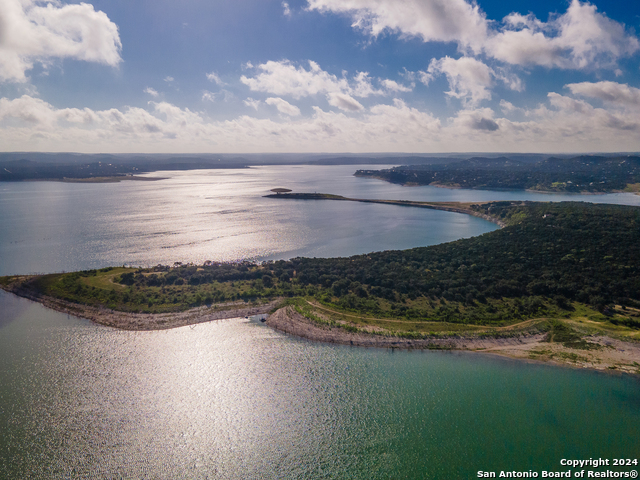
559 282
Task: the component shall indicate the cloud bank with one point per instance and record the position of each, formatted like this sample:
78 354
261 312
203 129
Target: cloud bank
561 124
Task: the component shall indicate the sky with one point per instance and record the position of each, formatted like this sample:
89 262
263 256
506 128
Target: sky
335 76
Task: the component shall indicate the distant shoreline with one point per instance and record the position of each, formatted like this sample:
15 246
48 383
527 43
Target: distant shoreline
109 179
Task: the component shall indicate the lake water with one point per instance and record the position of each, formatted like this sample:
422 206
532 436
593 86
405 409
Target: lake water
235 399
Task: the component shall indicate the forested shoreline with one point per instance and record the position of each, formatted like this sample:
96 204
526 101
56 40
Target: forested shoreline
590 174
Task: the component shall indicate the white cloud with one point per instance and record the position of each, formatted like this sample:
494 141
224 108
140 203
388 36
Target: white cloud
344 102
212 97
213 77
283 78
394 86
511 80
581 38
286 79
363 86
250 102
431 20
481 120
508 107
561 124
469 79
40 31
169 79
424 77
612 92
568 104
283 106
27 109
165 127
286 10
151 91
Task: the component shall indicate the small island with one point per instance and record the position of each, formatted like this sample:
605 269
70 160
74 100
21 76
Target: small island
559 282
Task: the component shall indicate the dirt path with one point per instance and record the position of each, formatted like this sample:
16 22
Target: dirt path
483 328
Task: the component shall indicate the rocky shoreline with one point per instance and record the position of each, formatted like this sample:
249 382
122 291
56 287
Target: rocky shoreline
608 354
142 321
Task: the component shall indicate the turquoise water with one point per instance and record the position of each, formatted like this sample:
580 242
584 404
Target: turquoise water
235 399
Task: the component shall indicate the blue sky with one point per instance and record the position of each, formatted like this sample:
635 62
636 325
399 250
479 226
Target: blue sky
421 76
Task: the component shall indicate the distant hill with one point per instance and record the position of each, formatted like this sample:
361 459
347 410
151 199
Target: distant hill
467 170
413 160
577 174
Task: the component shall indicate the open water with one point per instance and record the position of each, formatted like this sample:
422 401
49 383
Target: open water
235 399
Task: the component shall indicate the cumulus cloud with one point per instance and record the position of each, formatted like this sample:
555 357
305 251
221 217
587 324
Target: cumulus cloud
344 102
561 124
165 127
212 97
612 92
286 10
362 86
431 20
481 119
213 77
468 78
151 91
508 107
394 86
286 79
250 102
283 106
581 38
39 31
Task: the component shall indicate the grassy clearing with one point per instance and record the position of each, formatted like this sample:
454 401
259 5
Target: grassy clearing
101 288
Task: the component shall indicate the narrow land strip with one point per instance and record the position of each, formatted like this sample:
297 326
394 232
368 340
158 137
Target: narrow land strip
456 207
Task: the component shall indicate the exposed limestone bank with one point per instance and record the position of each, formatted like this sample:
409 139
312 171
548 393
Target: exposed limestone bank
143 321
610 355
289 321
